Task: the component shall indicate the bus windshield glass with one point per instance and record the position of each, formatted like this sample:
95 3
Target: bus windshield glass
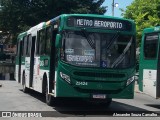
106 50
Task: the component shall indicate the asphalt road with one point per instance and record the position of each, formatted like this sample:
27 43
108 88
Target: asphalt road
13 99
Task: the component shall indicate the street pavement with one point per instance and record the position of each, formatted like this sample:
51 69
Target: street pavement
13 99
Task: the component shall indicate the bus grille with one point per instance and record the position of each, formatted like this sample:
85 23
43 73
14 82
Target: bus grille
104 75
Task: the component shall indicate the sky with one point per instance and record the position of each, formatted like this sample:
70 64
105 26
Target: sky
122 4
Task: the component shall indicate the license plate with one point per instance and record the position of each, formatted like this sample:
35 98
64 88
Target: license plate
99 96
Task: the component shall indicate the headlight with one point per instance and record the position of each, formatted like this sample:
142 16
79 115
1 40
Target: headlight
130 80
65 77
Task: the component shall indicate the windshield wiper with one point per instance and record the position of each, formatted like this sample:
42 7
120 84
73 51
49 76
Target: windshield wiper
121 57
109 46
89 39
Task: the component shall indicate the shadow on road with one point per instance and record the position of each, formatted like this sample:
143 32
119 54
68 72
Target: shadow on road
153 105
78 107
8 80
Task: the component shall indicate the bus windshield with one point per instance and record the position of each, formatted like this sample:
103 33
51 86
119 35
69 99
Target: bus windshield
106 50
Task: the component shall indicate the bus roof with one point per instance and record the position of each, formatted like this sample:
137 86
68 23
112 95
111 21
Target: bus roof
87 15
35 28
95 15
39 26
151 29
51 21
21 35
32 29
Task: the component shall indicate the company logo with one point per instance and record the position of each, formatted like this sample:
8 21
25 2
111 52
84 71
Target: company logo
6 114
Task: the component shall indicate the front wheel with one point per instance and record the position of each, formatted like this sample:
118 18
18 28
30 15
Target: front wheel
49 98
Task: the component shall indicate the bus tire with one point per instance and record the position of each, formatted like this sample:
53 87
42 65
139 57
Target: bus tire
49 98
25 89
44 83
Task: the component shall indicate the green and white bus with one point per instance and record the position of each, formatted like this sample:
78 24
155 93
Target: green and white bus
149 66
78 56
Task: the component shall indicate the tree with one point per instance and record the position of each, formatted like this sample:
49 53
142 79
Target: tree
145 13
19 15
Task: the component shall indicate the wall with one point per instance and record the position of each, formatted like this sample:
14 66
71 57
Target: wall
7 71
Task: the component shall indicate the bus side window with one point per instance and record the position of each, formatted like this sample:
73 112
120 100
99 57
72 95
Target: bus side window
22 47
37 43
29 45
56 49
48 40
42 41
25 46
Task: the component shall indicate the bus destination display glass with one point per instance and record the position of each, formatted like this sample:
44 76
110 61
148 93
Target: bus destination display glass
106 23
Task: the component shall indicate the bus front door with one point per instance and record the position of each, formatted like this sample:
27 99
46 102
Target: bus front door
151 79
158 77
158 84
150 64
149 82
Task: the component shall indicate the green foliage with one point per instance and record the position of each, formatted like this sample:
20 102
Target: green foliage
145 13
19 15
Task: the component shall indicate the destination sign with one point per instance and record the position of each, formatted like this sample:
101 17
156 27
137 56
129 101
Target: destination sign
104 23
152 37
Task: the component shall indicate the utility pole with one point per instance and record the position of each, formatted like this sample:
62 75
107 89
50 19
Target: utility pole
114 5
113 8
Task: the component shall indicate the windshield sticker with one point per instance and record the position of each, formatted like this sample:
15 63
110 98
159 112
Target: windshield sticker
89 52
78 58
69 51
104 64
